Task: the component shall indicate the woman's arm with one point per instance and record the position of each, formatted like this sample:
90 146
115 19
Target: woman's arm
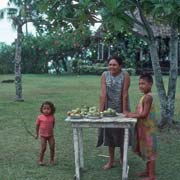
126 85
102 93
147 102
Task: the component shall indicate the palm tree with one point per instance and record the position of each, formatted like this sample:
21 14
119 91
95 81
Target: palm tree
20 12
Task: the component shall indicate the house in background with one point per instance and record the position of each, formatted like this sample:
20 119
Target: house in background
142 57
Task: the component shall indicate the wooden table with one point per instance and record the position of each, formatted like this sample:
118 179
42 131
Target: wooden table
106 122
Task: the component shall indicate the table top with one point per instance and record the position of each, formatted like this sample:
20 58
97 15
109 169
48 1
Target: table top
120 118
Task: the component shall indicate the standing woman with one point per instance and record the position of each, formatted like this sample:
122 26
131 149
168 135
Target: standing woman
114 94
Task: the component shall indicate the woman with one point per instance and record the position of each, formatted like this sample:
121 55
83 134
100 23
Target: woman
114 94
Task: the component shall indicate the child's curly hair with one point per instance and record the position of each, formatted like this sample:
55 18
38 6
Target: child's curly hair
53 109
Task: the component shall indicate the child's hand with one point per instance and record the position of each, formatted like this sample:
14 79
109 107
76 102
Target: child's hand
126 113
129 114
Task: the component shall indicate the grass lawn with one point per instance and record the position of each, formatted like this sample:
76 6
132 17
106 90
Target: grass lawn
19 151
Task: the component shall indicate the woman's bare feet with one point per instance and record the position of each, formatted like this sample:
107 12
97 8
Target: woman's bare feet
107 166
52 162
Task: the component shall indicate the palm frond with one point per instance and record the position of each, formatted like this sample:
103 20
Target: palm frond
1 14
15 2
14 25
12 11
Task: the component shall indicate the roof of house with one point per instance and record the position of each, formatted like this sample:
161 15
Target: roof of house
159 29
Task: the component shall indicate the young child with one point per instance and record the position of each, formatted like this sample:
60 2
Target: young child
44 127
145 129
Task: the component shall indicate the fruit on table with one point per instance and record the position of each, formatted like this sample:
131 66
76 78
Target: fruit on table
90 111
84 111
75 112
94 111
109 111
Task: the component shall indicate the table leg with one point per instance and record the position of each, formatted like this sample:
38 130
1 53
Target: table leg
125 165
80 135
76 153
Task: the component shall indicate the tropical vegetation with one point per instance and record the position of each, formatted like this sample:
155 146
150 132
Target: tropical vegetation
19 150
63 26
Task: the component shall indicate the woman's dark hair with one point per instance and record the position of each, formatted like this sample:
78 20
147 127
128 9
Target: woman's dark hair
147 77
118 59
53 109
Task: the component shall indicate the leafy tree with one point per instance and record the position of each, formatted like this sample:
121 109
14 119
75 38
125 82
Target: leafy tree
64 44
23 12
129 15
34 54
126 45
52 46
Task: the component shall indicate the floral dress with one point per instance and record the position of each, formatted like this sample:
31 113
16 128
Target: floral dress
145 142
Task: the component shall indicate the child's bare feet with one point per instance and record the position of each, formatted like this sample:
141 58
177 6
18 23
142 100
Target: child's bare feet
150 178
143 174
40 163
107 166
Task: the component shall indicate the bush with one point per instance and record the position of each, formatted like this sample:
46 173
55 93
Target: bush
6 59
98 69
86 67
131 71
93 70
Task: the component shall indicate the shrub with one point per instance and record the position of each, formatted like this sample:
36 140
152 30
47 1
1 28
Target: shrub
131 71
94 69
6 59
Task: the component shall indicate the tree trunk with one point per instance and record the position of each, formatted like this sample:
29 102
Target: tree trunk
17 68
109 51
98 51
164 108
173 46
102 51
167 102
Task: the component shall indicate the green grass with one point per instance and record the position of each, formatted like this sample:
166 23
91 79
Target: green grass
19 151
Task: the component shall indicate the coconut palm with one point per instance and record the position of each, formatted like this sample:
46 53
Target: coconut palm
19 12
